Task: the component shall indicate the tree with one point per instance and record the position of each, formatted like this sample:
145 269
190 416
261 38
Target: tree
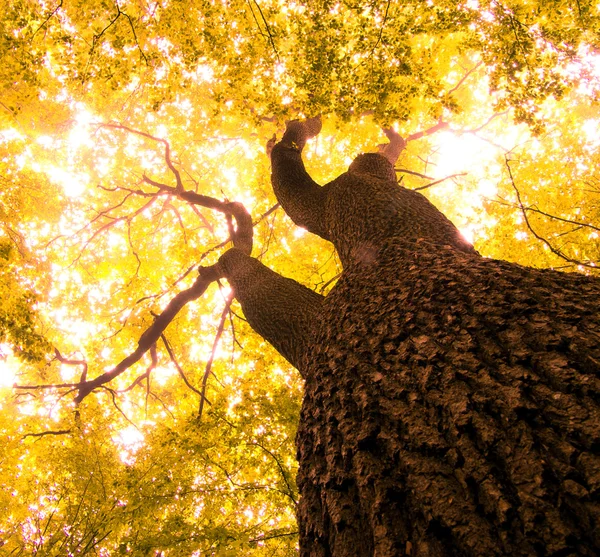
451 402
186 447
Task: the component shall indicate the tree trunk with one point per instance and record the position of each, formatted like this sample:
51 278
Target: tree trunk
451 408
451 401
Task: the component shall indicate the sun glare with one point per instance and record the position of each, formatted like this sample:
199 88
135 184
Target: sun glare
130 440
9 366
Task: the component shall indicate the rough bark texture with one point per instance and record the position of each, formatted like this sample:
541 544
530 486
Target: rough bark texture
451 408
451 403
279 309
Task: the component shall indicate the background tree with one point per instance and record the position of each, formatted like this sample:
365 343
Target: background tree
103 249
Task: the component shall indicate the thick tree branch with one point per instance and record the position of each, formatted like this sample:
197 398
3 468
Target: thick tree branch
441 125
44 433
149 337
146 374
242 237
68 362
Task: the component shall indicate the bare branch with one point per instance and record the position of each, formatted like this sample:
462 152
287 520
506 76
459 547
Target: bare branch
153 138
178 367
68 362
115 221
50 432
242 237
479 128
113 395
412 172
211 358
270 36
441 125
385 17
554 250
50 15
284 474
578 223
440 180
149 337
273 536
464 78
135 37
146 374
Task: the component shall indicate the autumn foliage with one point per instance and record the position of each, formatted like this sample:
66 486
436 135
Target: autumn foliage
140 414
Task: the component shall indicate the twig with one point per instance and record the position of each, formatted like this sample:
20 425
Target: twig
554 217
406 171
290 491
272 536
464 78
266 26
208 367
153 138
113 395
178 367
242 237
387 8
135 37
555 251
48 18
440 180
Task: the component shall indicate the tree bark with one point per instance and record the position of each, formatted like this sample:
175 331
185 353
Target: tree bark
451 401
451 408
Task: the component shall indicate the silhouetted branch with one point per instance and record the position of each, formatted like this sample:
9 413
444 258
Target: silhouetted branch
290 491
242 237
439 181
50 15
211 358
523 209
464 77
577 223
178 367
385 17
149 337
413 173
113 395
153 138
44 433
272 537
146 374
68 362
266 26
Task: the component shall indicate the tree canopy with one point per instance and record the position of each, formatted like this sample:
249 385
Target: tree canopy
128 128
